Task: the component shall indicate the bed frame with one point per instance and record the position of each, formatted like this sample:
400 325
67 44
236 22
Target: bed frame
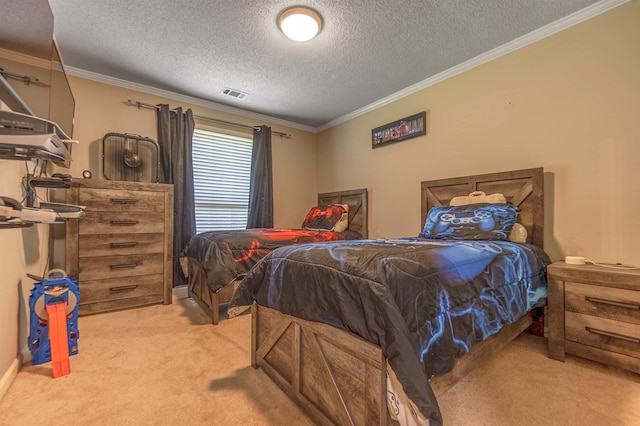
339 378
212 301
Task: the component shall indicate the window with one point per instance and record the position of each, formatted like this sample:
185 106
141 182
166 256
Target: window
221 173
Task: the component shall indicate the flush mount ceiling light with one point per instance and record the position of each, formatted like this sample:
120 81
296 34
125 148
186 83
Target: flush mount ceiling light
300 23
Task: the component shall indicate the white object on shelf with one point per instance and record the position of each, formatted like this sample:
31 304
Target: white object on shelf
65 211
49 143
12 209
23 136
34 215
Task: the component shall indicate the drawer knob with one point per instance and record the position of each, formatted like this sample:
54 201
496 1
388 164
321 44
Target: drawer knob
612 302
124 200
614 335
124 244
124 222
124 288
123 266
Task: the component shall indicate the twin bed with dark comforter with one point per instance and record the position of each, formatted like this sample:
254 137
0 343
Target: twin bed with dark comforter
336 324
217 260
228 255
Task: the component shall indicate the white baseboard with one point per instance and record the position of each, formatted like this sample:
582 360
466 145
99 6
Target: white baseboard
9 375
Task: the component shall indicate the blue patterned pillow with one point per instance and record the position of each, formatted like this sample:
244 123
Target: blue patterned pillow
482 221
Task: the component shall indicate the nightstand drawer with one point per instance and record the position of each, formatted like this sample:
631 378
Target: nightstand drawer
120 244
610 335
98 199
92 268
121 223
606 302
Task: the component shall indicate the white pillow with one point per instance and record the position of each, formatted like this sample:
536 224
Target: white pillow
518 234
478 197
343 223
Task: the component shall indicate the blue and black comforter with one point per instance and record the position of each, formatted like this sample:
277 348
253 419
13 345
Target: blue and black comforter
424 302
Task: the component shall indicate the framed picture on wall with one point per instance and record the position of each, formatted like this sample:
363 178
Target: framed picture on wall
400 130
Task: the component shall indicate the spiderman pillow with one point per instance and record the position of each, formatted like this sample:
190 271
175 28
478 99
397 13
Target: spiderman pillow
326 218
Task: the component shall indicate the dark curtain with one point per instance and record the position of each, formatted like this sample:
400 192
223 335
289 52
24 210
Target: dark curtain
175 133
261 184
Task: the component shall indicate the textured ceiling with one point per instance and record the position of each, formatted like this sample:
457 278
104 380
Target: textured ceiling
366 51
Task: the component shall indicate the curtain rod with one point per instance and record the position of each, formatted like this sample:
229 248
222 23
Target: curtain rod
139 105
23 78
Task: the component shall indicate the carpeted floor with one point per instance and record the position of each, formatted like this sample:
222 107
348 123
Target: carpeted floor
165 365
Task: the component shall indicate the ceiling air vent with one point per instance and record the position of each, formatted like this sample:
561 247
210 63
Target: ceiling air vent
234 93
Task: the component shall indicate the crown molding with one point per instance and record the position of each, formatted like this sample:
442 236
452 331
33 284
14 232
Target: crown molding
101 78
25 59
542 32
539 34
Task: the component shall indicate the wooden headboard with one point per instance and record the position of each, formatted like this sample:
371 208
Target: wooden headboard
357 201
522 188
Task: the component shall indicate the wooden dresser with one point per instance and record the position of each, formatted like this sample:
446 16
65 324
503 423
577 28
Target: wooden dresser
594 312
122 247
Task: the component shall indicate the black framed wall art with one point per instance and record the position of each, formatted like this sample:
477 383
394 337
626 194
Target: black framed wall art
400 130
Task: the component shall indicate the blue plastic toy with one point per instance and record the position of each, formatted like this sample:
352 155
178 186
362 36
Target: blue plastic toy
52 291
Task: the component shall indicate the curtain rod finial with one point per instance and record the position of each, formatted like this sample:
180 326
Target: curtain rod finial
131 102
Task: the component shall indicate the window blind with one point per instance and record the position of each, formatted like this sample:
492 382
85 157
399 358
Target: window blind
221 173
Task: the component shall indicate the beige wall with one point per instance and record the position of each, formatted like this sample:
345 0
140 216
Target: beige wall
22 251
569 103
100 109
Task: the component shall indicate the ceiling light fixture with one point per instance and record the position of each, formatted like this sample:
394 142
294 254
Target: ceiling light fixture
300 23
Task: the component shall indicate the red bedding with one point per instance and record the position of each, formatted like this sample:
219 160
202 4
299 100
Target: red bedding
228 255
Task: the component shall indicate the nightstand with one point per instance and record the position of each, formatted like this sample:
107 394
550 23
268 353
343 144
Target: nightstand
594 313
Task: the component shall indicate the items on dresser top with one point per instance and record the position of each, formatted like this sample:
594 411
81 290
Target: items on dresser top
122 247
594 313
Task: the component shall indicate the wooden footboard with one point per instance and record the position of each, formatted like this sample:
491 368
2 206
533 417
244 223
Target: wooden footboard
208 300
337 377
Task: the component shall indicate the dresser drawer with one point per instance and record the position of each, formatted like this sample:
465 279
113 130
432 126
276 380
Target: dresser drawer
116 305
98 199
92 268
610 335
121 223
120 244
120 288
606 302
